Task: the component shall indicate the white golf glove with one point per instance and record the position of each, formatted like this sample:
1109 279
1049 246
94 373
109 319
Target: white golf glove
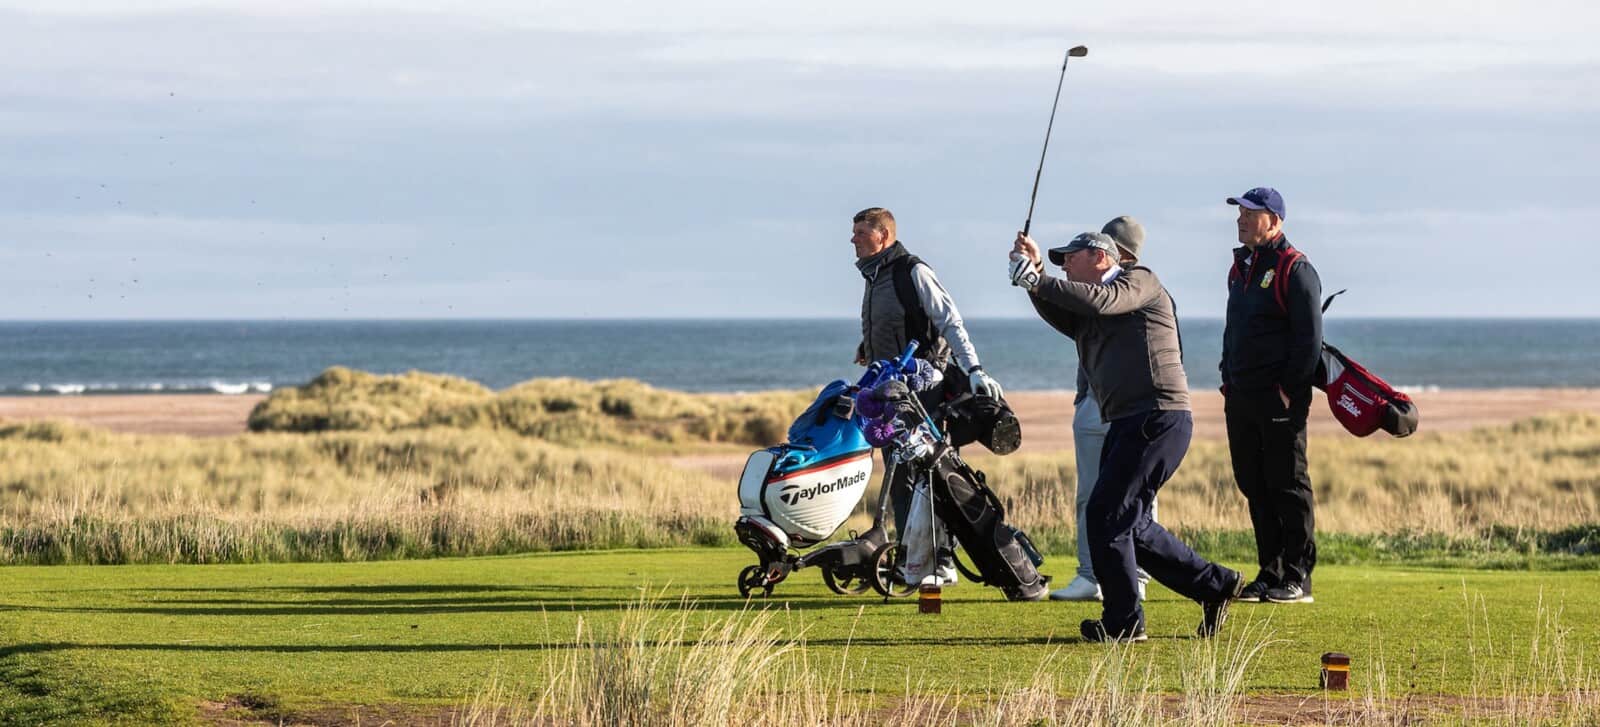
1024 273
983 384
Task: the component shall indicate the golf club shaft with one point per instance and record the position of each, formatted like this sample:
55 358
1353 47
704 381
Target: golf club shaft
1028 224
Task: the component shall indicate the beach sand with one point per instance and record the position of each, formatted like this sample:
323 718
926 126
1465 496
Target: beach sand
199 415
1046 415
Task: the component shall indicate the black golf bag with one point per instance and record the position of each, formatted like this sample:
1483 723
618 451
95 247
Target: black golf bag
1002 554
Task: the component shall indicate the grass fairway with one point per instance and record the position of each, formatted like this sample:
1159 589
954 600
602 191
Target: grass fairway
151 643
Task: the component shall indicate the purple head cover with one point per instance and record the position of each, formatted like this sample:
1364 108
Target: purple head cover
880 433
868 405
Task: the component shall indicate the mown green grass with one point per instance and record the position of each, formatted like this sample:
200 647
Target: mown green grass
144 644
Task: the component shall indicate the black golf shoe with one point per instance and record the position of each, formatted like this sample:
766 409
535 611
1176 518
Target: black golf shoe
1289 593
1215 613
1256 592
1094 631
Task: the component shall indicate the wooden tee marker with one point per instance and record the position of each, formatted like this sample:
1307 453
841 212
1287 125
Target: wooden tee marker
1335 671
928 598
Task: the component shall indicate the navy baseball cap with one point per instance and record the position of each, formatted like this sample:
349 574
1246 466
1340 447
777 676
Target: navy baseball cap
1261 198
1085 241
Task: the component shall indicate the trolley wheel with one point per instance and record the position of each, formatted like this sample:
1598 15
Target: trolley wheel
845 584
752 579
883 567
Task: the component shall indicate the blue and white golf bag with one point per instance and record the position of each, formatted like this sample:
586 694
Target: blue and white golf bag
798 493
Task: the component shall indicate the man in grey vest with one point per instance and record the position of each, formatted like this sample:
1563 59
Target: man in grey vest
904 302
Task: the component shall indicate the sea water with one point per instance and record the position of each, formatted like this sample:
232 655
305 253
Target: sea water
234 357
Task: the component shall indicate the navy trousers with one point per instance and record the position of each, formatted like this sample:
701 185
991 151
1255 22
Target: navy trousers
1141 452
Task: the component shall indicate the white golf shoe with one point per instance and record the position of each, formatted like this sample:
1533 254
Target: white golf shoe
1080 589
1083 589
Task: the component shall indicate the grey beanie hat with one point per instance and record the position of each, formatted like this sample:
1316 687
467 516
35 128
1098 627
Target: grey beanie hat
1128 233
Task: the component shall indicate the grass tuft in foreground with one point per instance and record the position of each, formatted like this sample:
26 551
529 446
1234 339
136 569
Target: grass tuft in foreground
653 668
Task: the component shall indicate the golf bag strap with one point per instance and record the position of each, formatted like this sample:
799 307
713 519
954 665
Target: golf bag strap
919 327
1280 279
1280 284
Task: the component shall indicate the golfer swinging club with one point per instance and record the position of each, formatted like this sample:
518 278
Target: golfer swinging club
1124 324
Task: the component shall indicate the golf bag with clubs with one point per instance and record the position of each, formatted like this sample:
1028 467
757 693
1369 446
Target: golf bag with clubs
1002 556
797 494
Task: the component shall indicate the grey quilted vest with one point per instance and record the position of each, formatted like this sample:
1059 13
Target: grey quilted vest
883 319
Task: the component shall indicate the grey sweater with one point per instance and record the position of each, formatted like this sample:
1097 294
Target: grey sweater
1127 337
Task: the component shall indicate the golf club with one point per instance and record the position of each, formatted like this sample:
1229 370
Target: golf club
1077 51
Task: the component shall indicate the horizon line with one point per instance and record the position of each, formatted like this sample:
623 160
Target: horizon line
707 319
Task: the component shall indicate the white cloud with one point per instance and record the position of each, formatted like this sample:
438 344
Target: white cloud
680 141
577 56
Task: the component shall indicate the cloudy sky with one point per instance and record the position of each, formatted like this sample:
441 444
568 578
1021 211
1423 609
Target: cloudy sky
545 158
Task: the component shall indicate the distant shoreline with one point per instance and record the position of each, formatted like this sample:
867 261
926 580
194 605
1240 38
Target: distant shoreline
703 319
98 358
263 390
1046 415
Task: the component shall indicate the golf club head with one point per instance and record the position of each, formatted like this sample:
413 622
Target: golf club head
1078 51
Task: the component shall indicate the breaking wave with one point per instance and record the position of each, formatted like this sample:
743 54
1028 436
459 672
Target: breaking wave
72 388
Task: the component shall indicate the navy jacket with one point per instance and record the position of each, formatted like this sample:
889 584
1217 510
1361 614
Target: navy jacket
1267 346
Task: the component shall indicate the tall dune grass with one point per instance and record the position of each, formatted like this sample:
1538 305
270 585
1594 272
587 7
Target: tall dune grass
568 411
76 495
1542 472
71 494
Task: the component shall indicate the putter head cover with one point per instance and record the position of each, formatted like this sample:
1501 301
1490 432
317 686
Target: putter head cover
898 403
892 391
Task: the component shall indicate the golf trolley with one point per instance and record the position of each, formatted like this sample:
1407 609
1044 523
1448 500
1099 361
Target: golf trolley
797 494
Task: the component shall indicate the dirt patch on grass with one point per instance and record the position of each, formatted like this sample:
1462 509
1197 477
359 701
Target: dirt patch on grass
247 712
1263 709
1336 708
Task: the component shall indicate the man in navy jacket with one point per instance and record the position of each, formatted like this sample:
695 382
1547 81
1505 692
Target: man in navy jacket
1270 349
